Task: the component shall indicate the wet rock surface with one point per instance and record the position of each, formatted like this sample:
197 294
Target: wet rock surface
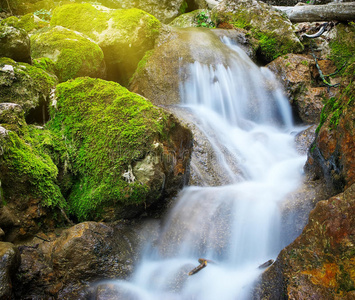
9 261
319 264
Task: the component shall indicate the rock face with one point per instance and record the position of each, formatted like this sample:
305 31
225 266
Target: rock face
73 54
300 78
332 153
68 266
123 35
160 71
9 261
319 264
27 86
274 32
15 44
126 153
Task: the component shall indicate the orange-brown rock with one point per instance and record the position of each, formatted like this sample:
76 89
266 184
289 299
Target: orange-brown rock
300 78
320 263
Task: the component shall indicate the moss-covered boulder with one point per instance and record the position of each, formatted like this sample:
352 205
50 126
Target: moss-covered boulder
28 22
74 55
125 153
124 35
196 18
273 31
15 44
27 86
320 263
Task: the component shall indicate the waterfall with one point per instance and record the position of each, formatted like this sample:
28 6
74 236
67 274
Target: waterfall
241 110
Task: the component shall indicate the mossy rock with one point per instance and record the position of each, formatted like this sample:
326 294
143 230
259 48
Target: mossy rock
109 132
196 18
273 31
14 43
124 35
27 86
28 22
73 54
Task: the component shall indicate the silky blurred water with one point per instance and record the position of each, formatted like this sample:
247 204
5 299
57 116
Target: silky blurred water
243 113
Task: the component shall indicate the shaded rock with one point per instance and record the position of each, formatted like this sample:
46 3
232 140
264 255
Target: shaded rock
27 86
319 264
73 54
304 139
12 115
9 261
160 72
273 31
332 153
299 76
15 44
71 265
123 35
29 190
112 132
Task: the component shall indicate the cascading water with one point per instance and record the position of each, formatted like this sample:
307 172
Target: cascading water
236 226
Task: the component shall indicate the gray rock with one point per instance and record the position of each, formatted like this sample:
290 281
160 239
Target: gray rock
9 260
15 44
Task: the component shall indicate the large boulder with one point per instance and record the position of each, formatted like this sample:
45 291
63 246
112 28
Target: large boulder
27 86
73 54
320 263
28 22
9 261
273 31
125 153
161 71
70 265
124 35
15 44
300 78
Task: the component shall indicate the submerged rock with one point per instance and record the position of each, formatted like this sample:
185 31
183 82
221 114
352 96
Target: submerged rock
73 54
15 44
273 31
124 35
125 153
27 86
319 264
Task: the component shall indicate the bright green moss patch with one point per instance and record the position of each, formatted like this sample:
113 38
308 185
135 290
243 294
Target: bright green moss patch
26 170
105 128
73 55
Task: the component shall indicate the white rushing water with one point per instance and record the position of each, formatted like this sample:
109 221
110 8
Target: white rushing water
241 110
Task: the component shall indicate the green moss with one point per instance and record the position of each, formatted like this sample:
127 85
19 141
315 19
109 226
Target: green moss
106 128
183 7
46 64
26 169
74 55
11 21
343 46
142 63
28 87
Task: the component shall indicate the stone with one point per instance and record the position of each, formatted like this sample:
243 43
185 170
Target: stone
73 54
132 155
9 261
124 35
300 79
274 32
15 44
319 264
27 86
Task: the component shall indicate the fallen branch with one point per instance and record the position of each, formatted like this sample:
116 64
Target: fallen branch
203 263
317 34
9 6
314 13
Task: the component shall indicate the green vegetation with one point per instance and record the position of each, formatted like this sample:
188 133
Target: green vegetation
105 129
73 54
202 19
27 170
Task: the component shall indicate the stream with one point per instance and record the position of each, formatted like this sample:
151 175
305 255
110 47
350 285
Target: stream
236 224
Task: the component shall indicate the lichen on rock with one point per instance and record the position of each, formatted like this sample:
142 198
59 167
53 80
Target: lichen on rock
108 130
124 35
